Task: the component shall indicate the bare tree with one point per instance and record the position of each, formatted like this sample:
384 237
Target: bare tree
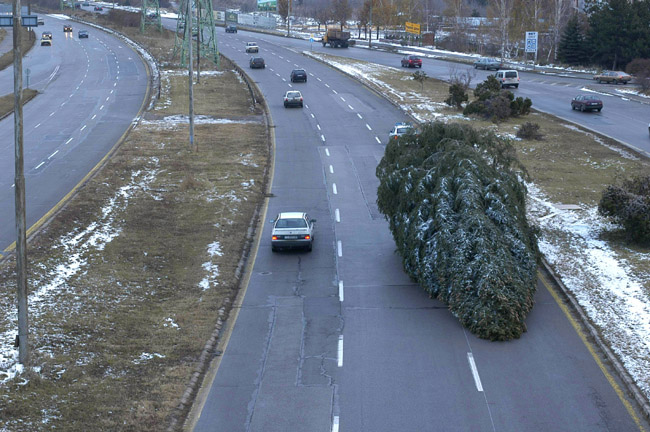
363 17
341 11
502 10
321 14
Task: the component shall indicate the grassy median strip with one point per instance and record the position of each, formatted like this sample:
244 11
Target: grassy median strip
7 101
27 41
130 277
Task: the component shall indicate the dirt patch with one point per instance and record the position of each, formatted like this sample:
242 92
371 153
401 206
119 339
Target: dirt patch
130 277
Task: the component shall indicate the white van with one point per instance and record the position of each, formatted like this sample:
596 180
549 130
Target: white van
508 78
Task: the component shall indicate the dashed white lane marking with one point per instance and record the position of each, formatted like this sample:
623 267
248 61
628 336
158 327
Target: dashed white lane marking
290 85
350 106
39 165
322 137
312 115
84 127
318 126
296 65
335 424
51 114
306 106
327 152
37 126
342 98
311 74
340 351
334 190
378 140
472 365
107 97
368 126
319 79
101 107
359 115
284 79
52 155
93 117
281 57
277 74
335 92
327 85
339 248
331 169
68 141
341 296
337 215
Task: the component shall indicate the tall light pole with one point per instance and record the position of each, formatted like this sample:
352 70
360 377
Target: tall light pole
19 181
188 28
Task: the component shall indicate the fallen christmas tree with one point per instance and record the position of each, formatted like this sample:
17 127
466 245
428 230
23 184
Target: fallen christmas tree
456 207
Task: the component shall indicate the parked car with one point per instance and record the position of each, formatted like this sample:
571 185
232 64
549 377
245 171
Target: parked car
46 35
292 230
257 63
231 29
46 42
298 75
508 78
488 63
292 98
586 103
411 61
613 77
83 34
251 47
67 28
400 129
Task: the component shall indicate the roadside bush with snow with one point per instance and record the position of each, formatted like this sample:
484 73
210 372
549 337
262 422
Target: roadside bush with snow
457 212
629 206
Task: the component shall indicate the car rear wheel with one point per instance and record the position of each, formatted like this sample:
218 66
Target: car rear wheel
582 108
599 109
573 107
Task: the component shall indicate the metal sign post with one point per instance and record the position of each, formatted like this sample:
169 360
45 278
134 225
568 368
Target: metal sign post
531 45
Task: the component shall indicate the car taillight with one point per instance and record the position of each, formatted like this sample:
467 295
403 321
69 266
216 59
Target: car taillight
300 99
307 237
274 238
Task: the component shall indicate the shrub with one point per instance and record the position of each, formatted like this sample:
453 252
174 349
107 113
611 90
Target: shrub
496 104
457 96
628 204
457 212
640 68
529 130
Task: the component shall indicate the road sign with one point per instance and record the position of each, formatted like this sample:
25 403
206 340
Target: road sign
531 42
25 21
412 28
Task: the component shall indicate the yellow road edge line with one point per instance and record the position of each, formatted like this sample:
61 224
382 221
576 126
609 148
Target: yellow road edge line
222 345
39 223
592 351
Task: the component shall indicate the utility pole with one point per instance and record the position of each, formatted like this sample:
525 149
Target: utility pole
370 39
199 30
188 28
19 181
289 21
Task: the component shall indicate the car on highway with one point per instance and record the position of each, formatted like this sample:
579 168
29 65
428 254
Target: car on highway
292 230
98 8
40 21
293 98
257 63
507 78
586 103
46 35
411 61
613 77
488 63
67 28
46 42
298 75
231 29
83 34
251 47
400 129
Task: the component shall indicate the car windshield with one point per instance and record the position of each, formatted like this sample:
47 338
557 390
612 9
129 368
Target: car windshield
293 94
402 130
291 223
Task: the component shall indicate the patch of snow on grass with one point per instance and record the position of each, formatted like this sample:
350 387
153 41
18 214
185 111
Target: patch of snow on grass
146 357
212 270
599 279
173 121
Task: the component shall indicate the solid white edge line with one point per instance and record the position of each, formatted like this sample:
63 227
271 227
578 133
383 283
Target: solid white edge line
337 215
331 169
340 351
341 296
339 247
477 378
334 189
335 424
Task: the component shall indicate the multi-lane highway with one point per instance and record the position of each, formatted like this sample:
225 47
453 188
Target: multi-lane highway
340 338
90 90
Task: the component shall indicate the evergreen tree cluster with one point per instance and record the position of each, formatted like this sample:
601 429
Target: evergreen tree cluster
456 209
496 104
628 204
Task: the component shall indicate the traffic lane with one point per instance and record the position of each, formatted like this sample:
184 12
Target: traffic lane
80 123
289 355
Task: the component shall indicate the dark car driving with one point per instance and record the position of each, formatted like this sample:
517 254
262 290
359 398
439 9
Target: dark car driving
586 103
231 29
257 63
298 75
488 63
83 34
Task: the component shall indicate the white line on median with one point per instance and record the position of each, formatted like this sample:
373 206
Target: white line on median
340 354
334 189
339 247
472 365
341 296
337 215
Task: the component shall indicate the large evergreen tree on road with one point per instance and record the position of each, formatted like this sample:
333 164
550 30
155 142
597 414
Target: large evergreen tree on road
457 212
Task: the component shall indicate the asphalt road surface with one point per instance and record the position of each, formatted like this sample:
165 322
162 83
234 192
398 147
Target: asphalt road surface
90 92
340 338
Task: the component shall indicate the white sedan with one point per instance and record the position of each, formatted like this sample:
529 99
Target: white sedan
292 230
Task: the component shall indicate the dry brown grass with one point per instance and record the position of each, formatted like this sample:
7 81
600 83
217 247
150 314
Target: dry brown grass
7 101
26 43
117 342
